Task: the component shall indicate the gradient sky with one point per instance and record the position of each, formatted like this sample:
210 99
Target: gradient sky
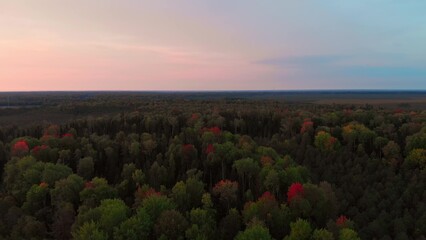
212 45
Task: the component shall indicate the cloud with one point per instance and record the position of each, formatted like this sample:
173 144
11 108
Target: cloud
303 61
378 71
383 72
350 66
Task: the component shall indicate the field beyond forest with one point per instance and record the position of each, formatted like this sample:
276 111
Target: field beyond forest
59 107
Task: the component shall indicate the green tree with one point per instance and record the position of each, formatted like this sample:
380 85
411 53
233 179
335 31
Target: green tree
110 214
21 174
157 175
188 194
95 191
202 225
416 158
67 190
148 144
322 205
54 172
179 196
36 198
63 219
322 234
300 230
247 169
255 232
225 153
132 178
230 225
135 151
355 133
137 227
65 157
348 234
416 141
90 231
154 205
113 212
267 211
272 181
86 168
28 228
392 152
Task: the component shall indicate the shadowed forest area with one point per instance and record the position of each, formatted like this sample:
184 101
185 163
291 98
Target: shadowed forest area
213 165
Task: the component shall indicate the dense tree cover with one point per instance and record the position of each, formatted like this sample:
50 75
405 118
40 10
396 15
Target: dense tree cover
223 170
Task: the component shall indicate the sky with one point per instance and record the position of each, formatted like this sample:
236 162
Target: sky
49 45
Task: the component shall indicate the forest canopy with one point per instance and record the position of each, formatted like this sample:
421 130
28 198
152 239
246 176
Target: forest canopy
215 169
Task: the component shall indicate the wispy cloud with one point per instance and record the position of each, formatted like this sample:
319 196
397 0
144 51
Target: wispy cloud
383 72
303 61
375 64
330 71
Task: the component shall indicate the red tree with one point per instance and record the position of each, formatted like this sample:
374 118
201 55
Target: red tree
267 196
37 149
195 116
20 148
341 220
227 191
70 135
142 193
209 149
306 126
89 185
214 130
188 151
295 190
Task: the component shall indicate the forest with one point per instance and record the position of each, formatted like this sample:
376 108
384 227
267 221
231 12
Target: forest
165 166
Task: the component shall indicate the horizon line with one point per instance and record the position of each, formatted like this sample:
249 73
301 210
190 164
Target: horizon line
218 91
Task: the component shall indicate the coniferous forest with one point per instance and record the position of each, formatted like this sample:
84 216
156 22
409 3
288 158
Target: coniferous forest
161 166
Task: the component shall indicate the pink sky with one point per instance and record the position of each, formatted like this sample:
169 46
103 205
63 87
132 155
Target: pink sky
94 66
210 45
76 46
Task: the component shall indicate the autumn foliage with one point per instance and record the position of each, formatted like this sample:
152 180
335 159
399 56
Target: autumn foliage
195 117
295 190
224 184
267 196
340 221
214 130
266 161
306 126
89 185
20 148
226 190
291 170
209 149
188 150
37 149
325 142
68 135
142 193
